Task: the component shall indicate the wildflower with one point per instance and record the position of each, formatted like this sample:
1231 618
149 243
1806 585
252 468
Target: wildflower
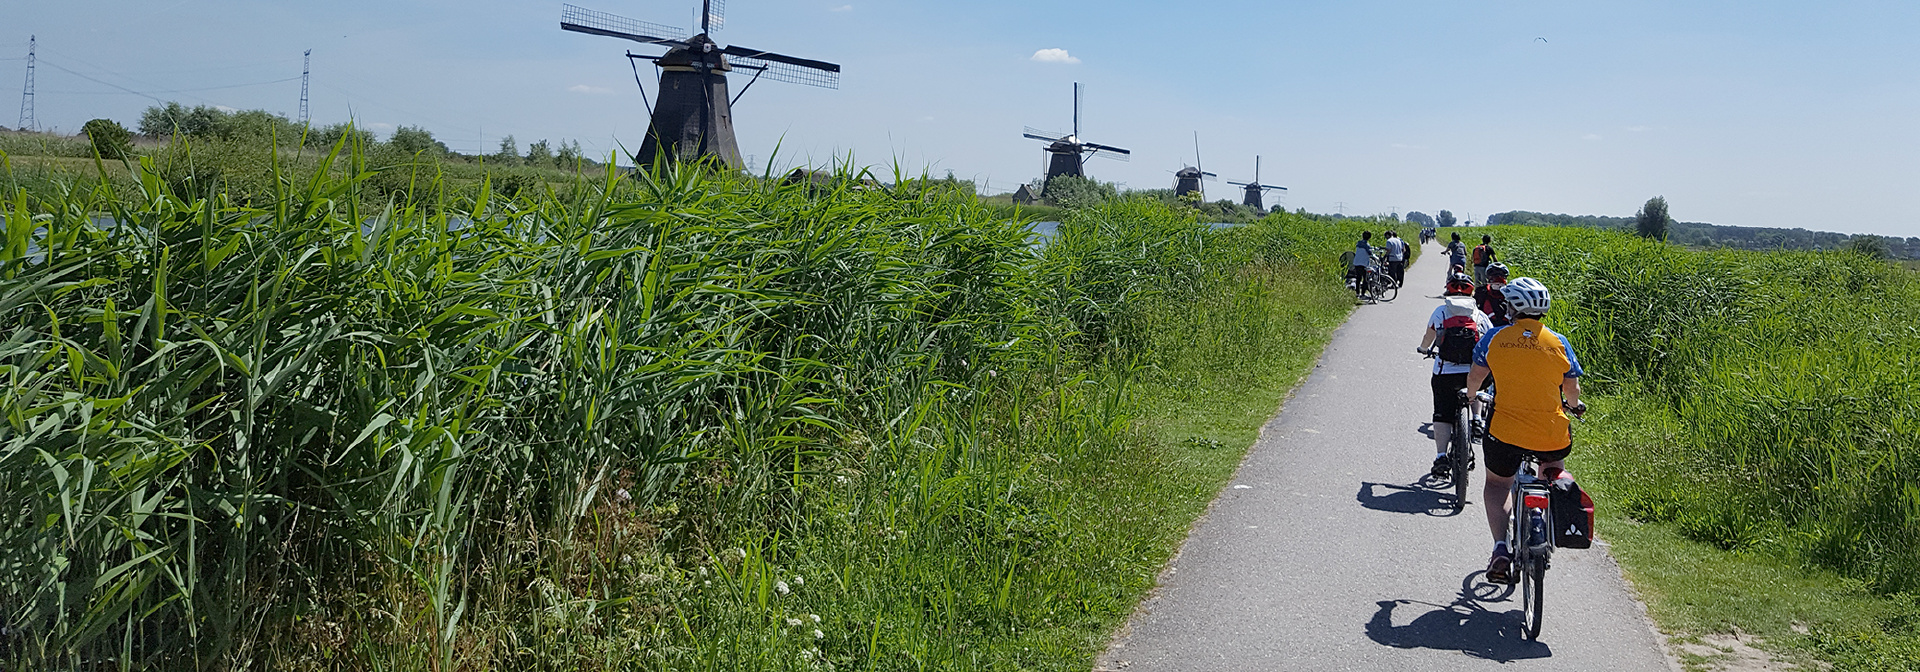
626 559
740 552
623 495
807 655
799 580
815 617
781 587
992 373
818 634
793 622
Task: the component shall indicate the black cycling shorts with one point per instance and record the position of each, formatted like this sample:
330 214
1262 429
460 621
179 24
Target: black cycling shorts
1446 396
1503 459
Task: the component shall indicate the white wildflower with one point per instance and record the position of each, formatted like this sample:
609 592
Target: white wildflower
793 622
799 580
781 587
806 655
815 617
819 635
623 495
740 552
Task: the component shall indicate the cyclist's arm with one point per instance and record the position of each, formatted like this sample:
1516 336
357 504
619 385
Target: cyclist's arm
1569 389
1478 377
1426 341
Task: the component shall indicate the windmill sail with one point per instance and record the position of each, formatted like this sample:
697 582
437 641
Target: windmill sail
783 68
582 20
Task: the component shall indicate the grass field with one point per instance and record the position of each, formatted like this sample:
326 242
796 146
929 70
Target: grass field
1756 436
678 423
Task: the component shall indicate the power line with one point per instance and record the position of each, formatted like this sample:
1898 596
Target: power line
26 96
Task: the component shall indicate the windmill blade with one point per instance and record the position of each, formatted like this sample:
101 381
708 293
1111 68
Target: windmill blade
1042 131
1238 184
1268 186
1110 156
1211 177
1106 148
582 20
1041 138
789 69
716 15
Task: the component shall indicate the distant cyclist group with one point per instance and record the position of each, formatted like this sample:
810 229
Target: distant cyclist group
1489 328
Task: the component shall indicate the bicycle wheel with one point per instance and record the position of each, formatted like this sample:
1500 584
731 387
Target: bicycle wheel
1385 290
1462 453
1533 596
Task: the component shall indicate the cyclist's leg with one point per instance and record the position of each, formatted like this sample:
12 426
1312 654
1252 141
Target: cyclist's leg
1502 462
1446 404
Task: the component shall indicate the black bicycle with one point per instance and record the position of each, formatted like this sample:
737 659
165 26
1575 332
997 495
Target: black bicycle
1466 432
1530 533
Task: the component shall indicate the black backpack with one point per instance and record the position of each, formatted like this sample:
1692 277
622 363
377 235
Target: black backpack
1458 335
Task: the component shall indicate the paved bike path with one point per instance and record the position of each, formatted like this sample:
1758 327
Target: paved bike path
1327 553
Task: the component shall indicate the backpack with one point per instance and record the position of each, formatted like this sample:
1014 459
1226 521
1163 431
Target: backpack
1572 513
1459 333
1481 255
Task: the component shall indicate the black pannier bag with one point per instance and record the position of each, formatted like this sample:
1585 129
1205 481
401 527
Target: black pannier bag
1572 513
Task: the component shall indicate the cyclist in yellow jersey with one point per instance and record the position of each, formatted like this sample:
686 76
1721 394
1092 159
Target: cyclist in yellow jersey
1539 383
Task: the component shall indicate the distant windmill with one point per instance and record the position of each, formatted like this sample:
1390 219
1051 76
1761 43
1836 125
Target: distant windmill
1065 150
1190 179
1255 189
693 117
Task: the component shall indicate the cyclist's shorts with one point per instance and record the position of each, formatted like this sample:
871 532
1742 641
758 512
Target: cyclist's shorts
1446 396
1503 459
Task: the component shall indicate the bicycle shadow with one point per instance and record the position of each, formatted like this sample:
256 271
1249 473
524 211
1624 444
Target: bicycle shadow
1426 429
1423 496
1465 626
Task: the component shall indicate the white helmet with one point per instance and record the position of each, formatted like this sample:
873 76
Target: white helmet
1527 296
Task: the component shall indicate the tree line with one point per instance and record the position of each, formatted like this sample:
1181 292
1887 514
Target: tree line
1648 222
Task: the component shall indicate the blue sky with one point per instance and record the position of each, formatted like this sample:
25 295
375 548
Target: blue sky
1751 113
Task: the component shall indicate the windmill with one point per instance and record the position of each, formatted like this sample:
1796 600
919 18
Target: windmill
1189 180
1255 189
1065 150
693 116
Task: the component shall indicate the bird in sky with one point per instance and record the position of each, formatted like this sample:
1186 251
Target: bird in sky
1542 39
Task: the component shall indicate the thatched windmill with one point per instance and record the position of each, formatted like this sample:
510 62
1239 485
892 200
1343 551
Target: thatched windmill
693 115
1255 190
1066 152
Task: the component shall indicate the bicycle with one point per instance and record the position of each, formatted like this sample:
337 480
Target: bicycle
1375 284
1530 533
1460 448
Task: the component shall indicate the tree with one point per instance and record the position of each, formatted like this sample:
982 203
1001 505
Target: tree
1446 218
1870 246
331 134
1068 191
569 154
110 139
1652 220
1421 218
509 153
415 140
540 154
162 121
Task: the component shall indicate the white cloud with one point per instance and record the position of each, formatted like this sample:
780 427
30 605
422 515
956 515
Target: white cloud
582 88
842 8
1054 56
228 110
378 126
1590 136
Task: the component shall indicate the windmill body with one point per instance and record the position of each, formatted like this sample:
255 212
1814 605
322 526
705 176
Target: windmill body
1192 179
1066 153
692 115
1255 191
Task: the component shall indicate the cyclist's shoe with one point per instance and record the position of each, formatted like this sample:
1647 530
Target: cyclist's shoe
1500 567
1442 466
1471 463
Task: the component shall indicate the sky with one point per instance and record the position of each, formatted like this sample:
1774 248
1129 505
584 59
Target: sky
1753 113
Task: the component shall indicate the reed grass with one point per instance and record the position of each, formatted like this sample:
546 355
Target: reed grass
672 421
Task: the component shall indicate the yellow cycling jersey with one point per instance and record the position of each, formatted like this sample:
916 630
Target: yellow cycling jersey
1529 363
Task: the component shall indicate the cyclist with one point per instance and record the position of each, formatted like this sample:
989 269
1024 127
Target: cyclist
1482 256
1455 325
1396 257
1488 297
1362 264
1458 251
1539 384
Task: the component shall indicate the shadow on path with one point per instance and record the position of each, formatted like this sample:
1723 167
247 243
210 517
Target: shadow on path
1465 626
1421 497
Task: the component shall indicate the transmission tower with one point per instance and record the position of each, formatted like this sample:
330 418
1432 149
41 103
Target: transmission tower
27 121
306 67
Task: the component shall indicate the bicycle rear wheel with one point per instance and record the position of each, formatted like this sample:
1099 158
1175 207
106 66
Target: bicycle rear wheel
1533 596
1385 290
1462 454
